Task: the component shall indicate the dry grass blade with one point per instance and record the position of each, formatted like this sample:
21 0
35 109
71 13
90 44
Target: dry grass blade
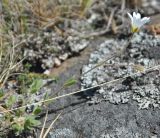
79 91
111 22
41 134
47 13
3 109
50 127
9 61
6 73
123 5
101 63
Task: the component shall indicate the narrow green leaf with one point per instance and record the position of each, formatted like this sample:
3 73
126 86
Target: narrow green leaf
36 85
31 122
37 110
11 100
1 93
70 82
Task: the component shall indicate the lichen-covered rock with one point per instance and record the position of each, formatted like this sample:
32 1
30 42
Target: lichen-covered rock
48 49
62 133
142 87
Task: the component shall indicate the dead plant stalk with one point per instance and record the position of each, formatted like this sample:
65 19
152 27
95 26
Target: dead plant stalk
79 91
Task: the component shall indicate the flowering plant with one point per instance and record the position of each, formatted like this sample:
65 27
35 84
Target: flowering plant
137 22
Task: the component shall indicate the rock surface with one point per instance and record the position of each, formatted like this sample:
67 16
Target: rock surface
48 48
142 87
104 119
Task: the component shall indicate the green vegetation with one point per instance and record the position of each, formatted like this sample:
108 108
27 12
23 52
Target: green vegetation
19 19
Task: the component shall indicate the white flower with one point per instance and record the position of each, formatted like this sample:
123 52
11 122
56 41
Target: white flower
137 21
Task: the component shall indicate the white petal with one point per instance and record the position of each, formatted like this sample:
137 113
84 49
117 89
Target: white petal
138 16
134 15
145 19
130 16
138 23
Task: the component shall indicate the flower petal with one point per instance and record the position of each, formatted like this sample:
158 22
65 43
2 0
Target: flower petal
145 20
134 15
138 16
130 16
137 21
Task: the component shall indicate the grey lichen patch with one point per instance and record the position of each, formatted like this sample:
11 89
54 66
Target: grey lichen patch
62 133
147 95
140 86
48 47
121 132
